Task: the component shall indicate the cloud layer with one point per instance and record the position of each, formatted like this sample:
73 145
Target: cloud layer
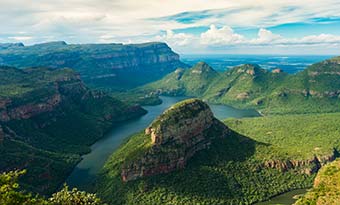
81 21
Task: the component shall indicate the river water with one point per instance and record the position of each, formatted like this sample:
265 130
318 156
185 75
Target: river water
84 173
284 199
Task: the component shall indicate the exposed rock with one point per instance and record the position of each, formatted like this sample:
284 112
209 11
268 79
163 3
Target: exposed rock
29 110
2 135
309 166
202 67
176 136
242 96
179 72
251 72
109 64
277 70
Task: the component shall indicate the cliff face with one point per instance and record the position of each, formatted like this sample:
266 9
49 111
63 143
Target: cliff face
48 117
99 64
176 136
326 187
309 166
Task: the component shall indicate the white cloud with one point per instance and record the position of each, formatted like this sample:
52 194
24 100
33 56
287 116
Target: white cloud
320 39
20 38
88 20
224 35
266 36
133 21
178 39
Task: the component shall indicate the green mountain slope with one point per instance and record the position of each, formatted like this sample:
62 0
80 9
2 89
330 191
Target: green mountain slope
254 160
111 66
314 90
48 118
326 187
190 82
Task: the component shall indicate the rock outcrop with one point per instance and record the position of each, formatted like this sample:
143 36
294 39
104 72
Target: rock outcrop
309 166
176 135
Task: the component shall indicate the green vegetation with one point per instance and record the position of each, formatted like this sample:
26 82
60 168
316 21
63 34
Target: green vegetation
326 189
295 137
48 118
234 170
314 90
11 194
192 82
228 173
106 66
135 97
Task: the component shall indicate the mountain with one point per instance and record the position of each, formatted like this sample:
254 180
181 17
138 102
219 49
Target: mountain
326 187
314 90
189 82
48 118
114 66
186 156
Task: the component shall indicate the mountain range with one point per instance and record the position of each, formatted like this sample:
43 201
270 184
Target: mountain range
315 89
54 105
110 66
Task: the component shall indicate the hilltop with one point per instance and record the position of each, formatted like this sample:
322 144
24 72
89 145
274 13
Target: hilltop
314 90
48 118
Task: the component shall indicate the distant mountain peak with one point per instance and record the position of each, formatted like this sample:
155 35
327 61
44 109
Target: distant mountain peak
334 60
251 69
52 43
202 67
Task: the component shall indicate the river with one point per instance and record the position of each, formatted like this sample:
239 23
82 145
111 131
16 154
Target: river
86 170
284 199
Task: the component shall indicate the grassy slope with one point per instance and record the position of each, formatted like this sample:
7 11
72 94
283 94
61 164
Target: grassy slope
294 136
48 145
231 171
326 189
314 90
191 82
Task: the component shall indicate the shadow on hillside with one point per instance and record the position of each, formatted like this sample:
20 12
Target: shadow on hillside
212 173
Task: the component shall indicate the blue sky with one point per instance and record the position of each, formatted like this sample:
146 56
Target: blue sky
188 26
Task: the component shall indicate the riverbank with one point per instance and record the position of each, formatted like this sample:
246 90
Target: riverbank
287 198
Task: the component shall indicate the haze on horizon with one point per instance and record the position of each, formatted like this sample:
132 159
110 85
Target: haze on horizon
310 27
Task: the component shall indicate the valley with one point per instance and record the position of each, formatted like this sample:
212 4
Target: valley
240 136
91 164
256 150
170 102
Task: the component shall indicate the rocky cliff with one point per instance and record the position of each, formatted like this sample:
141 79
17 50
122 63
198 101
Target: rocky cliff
48 117
176 136
98 64
308 166
326 187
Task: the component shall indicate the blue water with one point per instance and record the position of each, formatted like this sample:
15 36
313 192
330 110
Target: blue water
290 64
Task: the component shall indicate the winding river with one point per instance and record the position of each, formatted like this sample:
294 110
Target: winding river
84 173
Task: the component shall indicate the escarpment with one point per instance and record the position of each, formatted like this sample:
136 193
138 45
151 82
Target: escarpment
175 136
48 117
109 65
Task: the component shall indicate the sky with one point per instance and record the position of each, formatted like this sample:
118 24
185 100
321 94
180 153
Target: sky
308 27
